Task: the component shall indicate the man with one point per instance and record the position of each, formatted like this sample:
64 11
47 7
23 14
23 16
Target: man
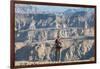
58 47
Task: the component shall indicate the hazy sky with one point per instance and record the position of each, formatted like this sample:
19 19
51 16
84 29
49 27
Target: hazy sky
48 8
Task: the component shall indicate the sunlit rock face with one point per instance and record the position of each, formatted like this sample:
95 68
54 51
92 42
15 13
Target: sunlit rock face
35 36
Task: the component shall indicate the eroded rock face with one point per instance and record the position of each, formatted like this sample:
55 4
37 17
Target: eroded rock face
71 50
35 37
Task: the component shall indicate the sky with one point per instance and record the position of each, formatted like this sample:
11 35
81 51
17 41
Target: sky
30 8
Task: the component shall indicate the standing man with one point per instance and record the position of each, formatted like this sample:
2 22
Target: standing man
58 47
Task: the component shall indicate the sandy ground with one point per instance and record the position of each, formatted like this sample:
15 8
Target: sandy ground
19 63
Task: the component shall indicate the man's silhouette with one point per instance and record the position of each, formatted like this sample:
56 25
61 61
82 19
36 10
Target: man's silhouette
58 47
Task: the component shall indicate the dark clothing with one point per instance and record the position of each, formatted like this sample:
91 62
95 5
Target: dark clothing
58 43
58 47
